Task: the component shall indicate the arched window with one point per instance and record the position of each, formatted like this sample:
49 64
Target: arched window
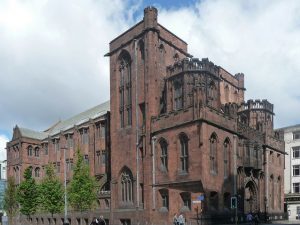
184 153
142 49
126 187
37 172
164 193
29 150
226 93
226 155
125 89
213 154
37 152
186 200
211 93
178 94
164 154
272 191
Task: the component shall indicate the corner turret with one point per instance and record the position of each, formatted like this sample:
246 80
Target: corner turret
150 17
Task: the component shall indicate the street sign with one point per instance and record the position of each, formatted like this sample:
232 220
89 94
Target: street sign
198 200
233 202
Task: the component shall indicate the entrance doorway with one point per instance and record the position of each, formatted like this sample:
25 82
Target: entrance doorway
250 200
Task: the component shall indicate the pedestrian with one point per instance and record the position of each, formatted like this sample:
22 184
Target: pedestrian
101 221
256 219
181 220
94 221
249 218
175 219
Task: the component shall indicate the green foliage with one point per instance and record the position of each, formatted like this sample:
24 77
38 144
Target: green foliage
28 194
51 192
82 188
10 204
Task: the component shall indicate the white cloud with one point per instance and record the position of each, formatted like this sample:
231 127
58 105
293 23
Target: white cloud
3 140
258 38
52 64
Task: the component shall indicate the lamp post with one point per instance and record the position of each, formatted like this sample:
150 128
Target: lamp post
65 187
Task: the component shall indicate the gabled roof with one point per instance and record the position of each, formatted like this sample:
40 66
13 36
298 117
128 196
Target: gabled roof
78 119
25 132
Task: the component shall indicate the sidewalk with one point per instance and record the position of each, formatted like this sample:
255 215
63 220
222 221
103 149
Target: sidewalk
286 222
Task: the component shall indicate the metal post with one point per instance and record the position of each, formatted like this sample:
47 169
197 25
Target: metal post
65 186
197 211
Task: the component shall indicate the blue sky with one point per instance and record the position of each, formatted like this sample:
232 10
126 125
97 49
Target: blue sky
52 64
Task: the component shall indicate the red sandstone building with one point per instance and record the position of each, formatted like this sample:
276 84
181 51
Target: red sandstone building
178 128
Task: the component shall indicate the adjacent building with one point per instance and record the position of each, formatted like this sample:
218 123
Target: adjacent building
179 138
291 136
87 131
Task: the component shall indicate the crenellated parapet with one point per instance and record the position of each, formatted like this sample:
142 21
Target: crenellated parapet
230 109
257 105
193 64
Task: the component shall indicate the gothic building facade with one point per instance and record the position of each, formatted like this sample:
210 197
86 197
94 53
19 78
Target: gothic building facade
180 137
182 131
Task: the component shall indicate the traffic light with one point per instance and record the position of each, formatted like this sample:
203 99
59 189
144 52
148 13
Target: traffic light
233 202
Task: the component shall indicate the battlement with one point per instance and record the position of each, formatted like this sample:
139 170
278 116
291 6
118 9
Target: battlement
257 105
193 64
230 109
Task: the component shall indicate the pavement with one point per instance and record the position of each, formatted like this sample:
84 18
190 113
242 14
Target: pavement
286 222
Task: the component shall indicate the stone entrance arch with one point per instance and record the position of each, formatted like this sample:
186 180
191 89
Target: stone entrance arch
251 197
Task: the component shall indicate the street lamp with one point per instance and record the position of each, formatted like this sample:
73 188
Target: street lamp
65 186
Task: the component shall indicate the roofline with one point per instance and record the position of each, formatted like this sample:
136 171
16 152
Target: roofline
288 127
131 28
173 34
74 125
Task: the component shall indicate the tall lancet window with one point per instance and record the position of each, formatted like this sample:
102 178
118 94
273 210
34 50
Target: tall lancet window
226 155
213 154
126 187
125 91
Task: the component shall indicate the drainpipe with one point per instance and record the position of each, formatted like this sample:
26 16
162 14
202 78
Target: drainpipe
153 173
137 128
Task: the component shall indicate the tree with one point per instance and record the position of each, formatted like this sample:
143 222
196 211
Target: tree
10 204
28 194
51 192
82 188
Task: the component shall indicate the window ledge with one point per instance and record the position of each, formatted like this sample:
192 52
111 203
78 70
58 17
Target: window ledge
185 209
163 169
163 210
213 173
183 173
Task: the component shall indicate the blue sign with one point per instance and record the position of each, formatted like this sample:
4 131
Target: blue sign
200 198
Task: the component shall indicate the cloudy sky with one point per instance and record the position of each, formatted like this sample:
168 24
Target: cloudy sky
52 62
